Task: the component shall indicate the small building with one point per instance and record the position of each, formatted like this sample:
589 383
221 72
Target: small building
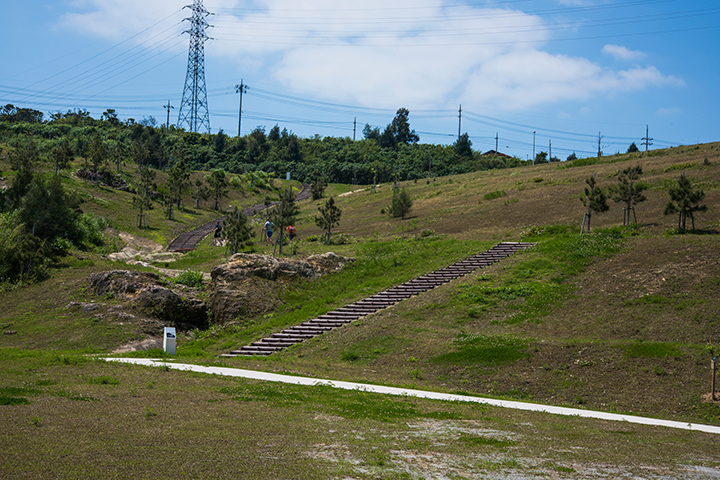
493 153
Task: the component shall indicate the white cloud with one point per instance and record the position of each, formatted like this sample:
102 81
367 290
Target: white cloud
622 53
375 53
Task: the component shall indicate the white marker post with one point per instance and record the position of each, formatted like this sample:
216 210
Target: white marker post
169 340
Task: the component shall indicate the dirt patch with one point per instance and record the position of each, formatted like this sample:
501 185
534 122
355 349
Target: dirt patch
140 345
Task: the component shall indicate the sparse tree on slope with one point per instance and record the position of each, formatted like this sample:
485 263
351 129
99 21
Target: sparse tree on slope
142 201
594 199
401 203
685 201
236 230
219 186
329 217
629 191
284 214
202 192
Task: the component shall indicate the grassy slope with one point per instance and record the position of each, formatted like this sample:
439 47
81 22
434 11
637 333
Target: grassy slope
626 333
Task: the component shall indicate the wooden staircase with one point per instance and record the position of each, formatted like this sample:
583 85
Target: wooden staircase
348 313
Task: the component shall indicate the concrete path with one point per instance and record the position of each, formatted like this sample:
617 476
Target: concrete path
533 407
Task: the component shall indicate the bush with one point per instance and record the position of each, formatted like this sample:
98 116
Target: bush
191 278
493 195
401 204
90 229
341 239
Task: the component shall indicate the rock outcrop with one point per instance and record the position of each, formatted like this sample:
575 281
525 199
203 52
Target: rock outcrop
249 284
150 295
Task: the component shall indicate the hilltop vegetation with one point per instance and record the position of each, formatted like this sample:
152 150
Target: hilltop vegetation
617 320
392 155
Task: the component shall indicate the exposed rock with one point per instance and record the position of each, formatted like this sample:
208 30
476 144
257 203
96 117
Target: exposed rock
328 262
106 177
249 284
89 307
150 295
245 286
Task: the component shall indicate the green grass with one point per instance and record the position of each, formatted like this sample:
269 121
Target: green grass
485 350
378 266
653 350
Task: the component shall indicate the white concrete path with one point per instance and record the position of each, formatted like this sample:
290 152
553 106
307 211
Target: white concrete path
534 407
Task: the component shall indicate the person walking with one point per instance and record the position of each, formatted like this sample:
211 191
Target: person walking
268 232
216 235
291 233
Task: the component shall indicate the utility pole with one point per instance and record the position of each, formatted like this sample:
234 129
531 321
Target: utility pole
354 127
194 107
550 150
647 138
496 142
167 123
242 88
599 145
459 121
533 147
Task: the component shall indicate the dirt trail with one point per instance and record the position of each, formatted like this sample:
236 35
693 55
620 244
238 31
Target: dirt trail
142 251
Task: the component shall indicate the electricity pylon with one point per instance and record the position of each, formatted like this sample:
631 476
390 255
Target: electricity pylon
194 112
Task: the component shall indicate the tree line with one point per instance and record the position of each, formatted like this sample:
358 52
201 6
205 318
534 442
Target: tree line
107 142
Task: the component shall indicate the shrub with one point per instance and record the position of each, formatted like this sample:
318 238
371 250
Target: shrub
493 195
401 204
191 278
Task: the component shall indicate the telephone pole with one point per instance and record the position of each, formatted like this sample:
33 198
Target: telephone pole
459 121
549 150
242 88
167 123
647 138
599 145
194 107
533 147
354 127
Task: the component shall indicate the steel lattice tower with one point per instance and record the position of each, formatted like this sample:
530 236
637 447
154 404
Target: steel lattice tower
194 112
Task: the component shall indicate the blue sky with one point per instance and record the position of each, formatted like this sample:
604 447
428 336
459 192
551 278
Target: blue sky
575 72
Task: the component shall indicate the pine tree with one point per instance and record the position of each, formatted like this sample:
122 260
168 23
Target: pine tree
594 199
628 191
202 192
219 186
236 230
685 201
178 181
284 214
62 156
329 217
143 201
401 203
318 187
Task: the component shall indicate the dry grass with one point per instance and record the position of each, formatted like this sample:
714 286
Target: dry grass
119 421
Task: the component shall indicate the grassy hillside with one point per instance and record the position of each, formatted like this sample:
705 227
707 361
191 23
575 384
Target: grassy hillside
616 321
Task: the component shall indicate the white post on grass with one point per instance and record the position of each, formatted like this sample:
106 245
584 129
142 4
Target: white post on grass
169 340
